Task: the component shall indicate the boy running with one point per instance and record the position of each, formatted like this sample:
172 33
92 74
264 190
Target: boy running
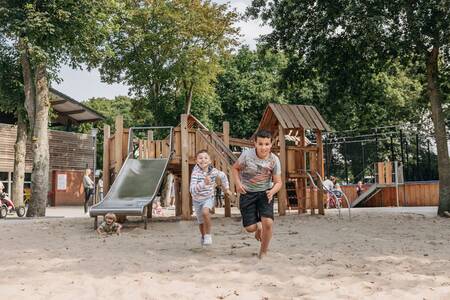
254 172
203 181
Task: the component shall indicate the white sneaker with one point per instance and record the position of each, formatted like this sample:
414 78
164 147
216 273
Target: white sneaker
207 240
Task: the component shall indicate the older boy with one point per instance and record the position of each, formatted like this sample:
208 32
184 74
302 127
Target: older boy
257 174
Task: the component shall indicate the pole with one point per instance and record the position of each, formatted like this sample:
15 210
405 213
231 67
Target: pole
94 138
345 163
396 182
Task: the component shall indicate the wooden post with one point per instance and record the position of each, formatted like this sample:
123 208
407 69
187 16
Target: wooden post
226 141
381 176
118 137
312 189
185 209
106 158
388 172
282 195
177 187
320 170
302 182
148 144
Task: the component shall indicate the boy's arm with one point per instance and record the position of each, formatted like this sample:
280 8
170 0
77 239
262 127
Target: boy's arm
276 179
196 184
235 172
224 179
277 184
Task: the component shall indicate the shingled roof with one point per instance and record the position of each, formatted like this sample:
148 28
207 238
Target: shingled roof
292 116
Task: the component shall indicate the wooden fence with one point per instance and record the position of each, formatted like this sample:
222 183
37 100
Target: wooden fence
409 194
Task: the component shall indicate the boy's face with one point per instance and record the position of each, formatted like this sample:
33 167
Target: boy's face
263 146
203 160
109 221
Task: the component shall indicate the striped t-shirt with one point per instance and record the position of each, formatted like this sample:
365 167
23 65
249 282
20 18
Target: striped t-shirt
199 190
256 173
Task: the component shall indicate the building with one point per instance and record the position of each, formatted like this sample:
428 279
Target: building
70 152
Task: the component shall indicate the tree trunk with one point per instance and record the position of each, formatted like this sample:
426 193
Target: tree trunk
440 131
19 161
39 141
28 83
188 98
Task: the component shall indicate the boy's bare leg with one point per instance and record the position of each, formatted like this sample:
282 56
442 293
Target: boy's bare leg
257 229
207 220
266 235
201 227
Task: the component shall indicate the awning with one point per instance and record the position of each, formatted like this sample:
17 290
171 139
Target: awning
69 109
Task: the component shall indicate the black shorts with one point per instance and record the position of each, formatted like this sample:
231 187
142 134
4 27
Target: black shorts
253 206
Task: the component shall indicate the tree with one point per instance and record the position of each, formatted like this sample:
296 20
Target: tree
46 34
11 101
249 82
370 33
169 51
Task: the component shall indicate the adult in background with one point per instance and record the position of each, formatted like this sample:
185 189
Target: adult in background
328 185
88 185
100 187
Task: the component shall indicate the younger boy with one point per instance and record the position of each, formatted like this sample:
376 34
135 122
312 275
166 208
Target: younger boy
109 225
254 172
202 188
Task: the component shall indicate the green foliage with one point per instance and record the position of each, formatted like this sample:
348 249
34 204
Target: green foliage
58 31
11 88
250 82
168 52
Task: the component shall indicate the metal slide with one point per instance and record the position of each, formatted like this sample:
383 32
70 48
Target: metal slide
136 185
369 193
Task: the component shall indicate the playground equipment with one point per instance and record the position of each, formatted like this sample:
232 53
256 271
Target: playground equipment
383 179
293 128
136 185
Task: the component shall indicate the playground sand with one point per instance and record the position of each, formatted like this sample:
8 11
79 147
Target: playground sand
376 256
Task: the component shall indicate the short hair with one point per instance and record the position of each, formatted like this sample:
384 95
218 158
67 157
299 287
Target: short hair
111 216
263 134
201 151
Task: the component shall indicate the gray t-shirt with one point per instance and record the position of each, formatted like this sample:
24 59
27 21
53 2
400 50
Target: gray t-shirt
256 173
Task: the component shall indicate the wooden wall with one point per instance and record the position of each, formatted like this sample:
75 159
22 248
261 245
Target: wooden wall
70 153
68 150
410 194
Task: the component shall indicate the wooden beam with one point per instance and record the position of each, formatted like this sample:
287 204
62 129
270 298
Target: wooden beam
106 158
185 209
226 141
320 169
118 137
282 194
57 102
74 112
302 181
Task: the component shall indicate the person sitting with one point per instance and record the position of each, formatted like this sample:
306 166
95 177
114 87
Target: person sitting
109 225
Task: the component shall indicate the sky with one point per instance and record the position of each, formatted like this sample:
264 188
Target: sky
82 84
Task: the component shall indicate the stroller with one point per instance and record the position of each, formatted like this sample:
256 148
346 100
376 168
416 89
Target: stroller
336 198
8 207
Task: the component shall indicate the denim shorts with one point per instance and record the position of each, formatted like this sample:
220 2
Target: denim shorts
199 205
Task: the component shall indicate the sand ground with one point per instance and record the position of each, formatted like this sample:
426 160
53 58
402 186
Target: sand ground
380 254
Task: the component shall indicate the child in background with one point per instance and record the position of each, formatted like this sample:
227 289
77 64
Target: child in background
109 225
157 209
202 188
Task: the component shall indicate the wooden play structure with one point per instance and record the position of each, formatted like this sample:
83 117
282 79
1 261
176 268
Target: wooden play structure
293 128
